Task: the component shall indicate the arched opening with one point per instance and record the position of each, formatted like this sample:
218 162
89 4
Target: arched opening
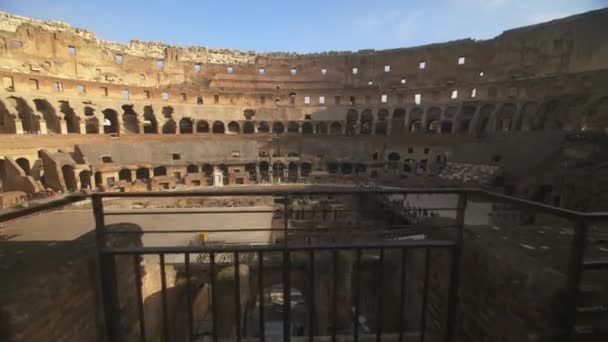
170 127
24 164
398 121
332 167
293 127
110 121
150 123
251 171
415 124
352 118
264 174
446 127
360 168
224 169
69 177
321 128
277 171
381 124
142 174
202 126
129 119
527 117
278 127
292 172
29 119
347 168
248 127
394 156
49 115
465 118
218 127
208 173
433 115
91 125
192 168
367 122
263 127
504 119
305 169
98 179
160 171
484 119
186 126
409 165
125 175
85 179
234 128
335 128
307 128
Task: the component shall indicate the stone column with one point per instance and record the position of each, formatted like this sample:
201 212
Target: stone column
43 128
63 126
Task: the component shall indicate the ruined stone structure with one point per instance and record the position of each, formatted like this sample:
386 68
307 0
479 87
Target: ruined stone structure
78 112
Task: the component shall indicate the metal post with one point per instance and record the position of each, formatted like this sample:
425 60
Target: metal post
452 309
107 273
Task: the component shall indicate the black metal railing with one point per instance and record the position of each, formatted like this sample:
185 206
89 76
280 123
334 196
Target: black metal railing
108 254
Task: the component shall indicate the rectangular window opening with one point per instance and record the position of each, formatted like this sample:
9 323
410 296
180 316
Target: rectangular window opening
160 64
71 50
125 94
17 43
384 98
176 156
293 71
146 94
216 99
165 96
422 65
261 71
461 60
387 68
81 89
58 86
474 92
355 71
306 99
337 100
418 99
454 94
323 71
118 58
34 84
321 99
104 91
184 97
229 69
197 67
199 100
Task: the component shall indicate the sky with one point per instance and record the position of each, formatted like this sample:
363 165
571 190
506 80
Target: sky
299 25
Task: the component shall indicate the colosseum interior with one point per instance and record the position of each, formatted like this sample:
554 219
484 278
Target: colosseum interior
524 114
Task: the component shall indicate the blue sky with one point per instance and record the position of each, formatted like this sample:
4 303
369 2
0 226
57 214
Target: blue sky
296 25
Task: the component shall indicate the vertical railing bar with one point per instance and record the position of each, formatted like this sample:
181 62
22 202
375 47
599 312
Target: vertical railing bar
107 264
334 296
402 283
163 281
262 326
357 297
311 291
285 218
286 296
213 295
425 295
575 272
380 297
188 296
452 302
237 295
140 302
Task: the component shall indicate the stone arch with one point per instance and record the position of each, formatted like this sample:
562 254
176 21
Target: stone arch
346 168
367 122
202 126
191 168
277 170
293 127
129 119
278 127
292 172
53 121
307 128
218 127
69 178
483 120
305 169
465 118
170 127
98 179
110 121
264 173
382 123
398 121
85 179
142 173
335 128
332 167
446 126
248 127
234 127
29 120
150 122
91 125
415 120
433 125
125 174
505 118
159 171
527 117
24 164
321 128
186 126
394 156
263 127
352 119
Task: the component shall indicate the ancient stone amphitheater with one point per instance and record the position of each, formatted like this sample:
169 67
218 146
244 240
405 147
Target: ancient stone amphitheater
525 112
